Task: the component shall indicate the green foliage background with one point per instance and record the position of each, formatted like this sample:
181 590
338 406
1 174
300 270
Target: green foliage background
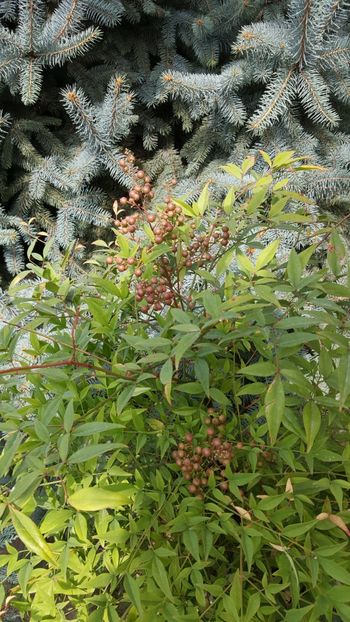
92 409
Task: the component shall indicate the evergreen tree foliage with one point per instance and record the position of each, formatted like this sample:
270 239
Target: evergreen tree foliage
185 85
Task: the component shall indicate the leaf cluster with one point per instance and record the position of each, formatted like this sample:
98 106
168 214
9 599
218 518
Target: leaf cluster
107 528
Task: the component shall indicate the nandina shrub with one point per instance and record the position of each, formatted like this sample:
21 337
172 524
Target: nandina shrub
176 443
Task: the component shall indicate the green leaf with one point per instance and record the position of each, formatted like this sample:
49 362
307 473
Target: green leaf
95 427
312 423
263 369
252 608
278 206
24 487
212 303
124 397
193 388
344 379
253 388
245 264
248 163
269 503
265 293
335 570
97 310
282 159
190 540
124 244
325 455
297 339
298 615
233 169
186 328
107 285
338 594
161 578
54 521
229 201
187 209
12 444
31 536
183 345
256 200
292 531
267 254
95 498
225 261
68 417
41 431
266 157
166 372
274 407
218 396
296 321
201 370
24 574
203 202
294 268
92 451
133 591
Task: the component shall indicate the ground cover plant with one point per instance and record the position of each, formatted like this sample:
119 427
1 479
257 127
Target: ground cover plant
176 438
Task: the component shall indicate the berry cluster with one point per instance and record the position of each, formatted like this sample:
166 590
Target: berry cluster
203 247
142 189
154 292
171 217
198 463
190 248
